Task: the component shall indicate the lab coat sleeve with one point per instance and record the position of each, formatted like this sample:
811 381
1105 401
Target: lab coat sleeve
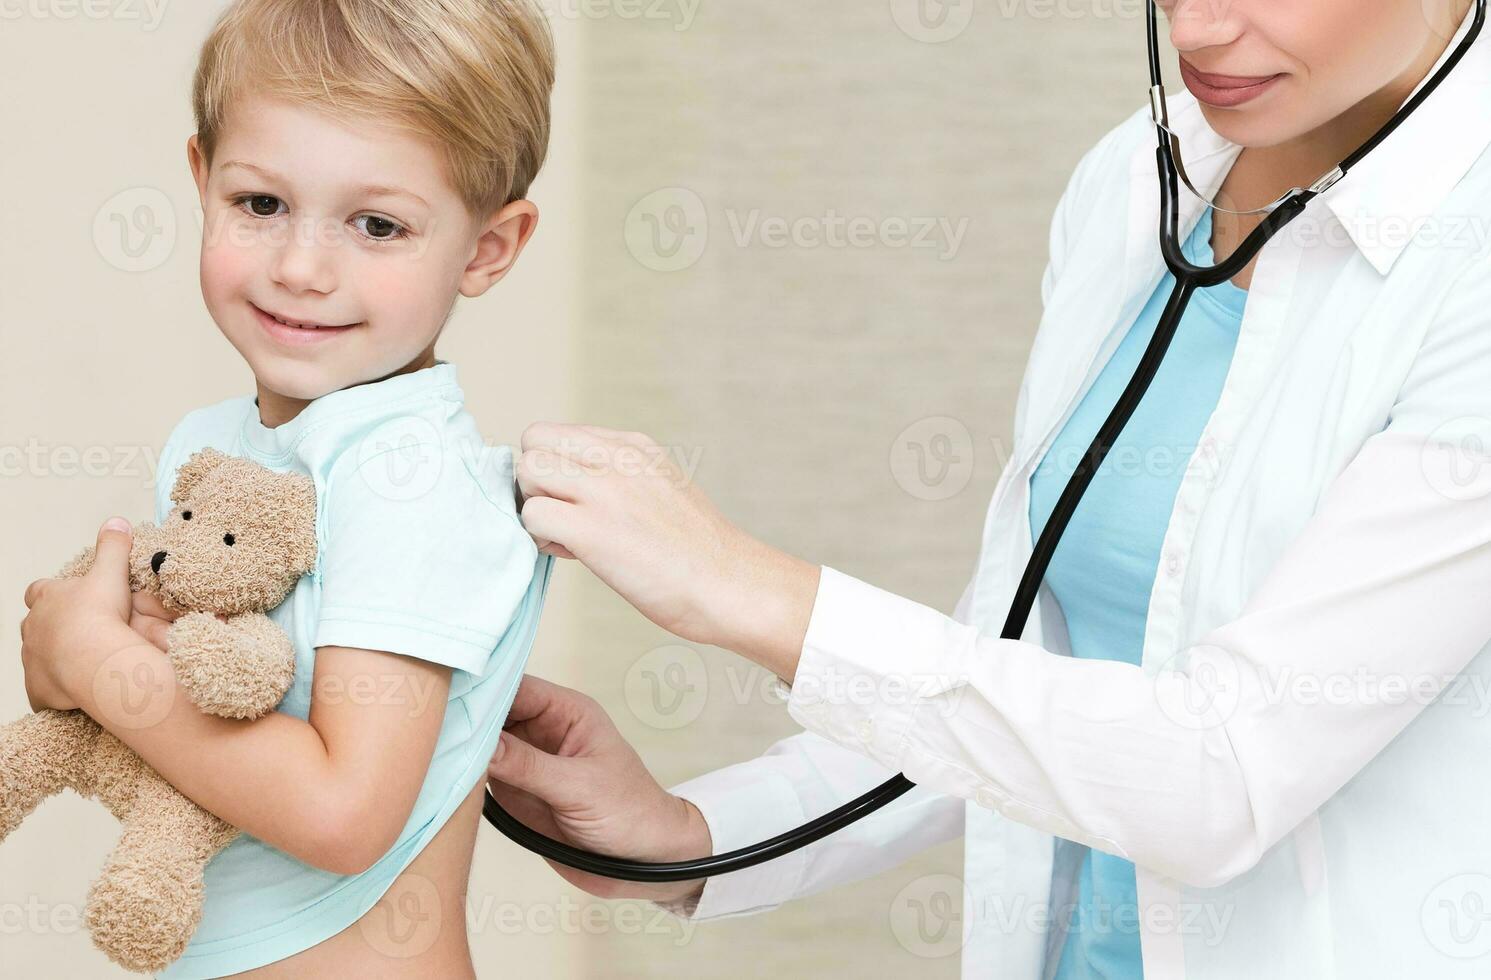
797 780
1195 770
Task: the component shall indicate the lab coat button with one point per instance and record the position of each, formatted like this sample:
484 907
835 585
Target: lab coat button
1172 564
866 731
986 799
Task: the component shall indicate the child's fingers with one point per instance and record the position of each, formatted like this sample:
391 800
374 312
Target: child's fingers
149 604
157 631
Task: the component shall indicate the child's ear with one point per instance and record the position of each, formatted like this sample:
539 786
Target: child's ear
198 466
499 243
198 162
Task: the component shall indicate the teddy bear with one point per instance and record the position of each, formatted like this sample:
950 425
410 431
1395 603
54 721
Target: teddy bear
233 547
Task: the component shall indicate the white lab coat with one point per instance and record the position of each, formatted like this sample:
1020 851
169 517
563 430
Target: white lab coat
1301 766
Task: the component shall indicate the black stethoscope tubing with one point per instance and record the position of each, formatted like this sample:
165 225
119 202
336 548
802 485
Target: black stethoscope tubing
1188 278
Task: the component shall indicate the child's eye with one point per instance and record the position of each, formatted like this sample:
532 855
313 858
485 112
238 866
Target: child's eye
379 228
259 205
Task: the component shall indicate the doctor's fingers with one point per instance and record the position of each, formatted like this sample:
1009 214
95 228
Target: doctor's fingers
544 702
575 440
558 527
551 778
542 473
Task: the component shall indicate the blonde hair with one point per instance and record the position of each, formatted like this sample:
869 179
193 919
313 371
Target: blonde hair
474 76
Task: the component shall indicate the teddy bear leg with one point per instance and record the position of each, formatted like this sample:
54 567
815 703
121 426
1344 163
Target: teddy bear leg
145 905
41 754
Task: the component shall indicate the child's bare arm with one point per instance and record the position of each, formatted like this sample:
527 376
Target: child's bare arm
333 791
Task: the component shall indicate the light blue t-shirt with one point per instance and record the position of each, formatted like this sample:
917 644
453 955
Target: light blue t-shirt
421 553
1104 568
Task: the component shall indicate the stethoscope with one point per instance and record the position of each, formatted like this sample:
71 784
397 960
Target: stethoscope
1188 278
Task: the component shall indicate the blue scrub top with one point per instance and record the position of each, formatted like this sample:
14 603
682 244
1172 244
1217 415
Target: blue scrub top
1104 568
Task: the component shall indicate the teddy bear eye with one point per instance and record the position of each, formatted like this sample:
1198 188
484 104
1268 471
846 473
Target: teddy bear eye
186 515
228 538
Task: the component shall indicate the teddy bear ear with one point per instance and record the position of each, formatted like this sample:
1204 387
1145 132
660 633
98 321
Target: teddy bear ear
301 491
196 468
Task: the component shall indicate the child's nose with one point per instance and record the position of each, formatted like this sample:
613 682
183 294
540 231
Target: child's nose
307 261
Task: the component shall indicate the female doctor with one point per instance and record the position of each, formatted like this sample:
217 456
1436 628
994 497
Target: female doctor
1245 732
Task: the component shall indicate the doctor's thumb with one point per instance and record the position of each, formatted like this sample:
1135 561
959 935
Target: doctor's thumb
524 767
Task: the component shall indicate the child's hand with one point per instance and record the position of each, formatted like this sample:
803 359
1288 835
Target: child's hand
149 618
70 616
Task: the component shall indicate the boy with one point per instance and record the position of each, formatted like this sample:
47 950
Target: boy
360 164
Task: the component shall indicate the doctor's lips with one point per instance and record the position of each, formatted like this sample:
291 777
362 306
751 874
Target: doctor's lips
1224 91
290 330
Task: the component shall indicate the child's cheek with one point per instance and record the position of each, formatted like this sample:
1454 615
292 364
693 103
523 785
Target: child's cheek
227 268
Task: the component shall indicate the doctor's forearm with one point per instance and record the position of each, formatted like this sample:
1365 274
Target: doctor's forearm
762 612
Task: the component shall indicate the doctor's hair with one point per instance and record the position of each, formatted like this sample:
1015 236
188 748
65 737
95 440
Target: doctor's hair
473 76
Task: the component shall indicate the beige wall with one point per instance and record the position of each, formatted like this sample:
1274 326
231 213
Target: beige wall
803 380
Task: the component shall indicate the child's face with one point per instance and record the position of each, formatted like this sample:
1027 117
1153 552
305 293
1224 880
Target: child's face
350 226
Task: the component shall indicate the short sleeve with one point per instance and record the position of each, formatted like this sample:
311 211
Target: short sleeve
166 465
422 554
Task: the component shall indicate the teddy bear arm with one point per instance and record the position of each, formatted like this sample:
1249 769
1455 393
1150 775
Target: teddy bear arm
235 669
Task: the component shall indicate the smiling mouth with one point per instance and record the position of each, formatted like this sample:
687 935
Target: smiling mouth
303 324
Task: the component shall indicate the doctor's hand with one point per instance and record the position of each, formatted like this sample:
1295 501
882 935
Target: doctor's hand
564 770
620 504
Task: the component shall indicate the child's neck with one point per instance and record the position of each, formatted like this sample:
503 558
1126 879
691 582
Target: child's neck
276 409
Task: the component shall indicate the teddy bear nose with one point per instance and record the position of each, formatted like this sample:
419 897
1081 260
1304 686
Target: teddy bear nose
156 561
